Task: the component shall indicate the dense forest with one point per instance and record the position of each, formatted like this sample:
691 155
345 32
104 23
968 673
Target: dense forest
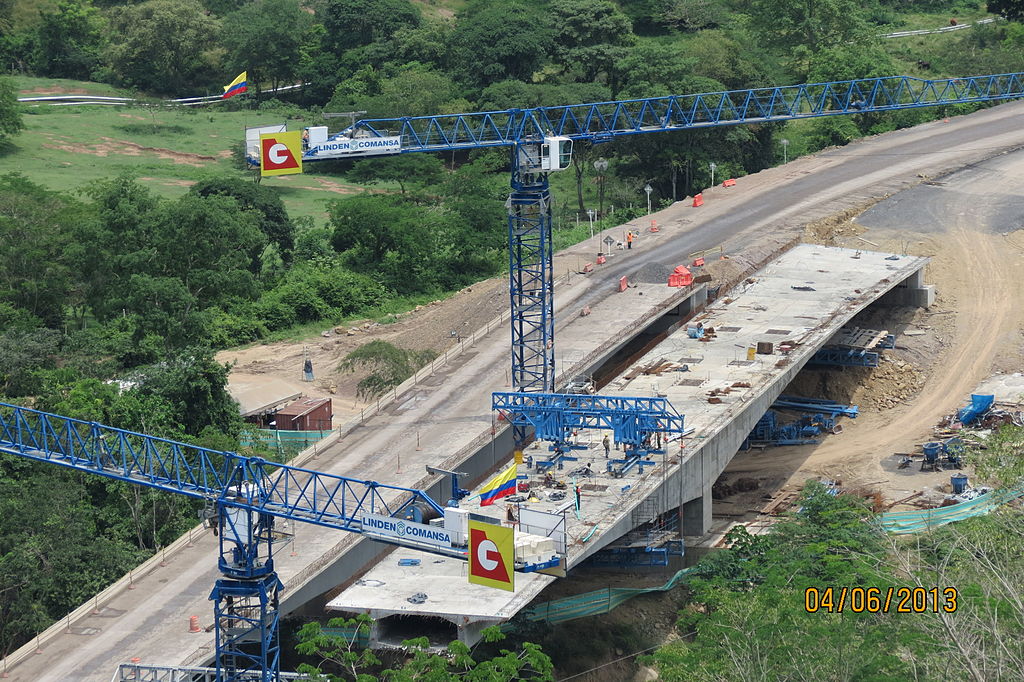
116 282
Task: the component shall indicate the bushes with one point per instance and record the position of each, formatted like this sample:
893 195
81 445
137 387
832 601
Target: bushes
322 290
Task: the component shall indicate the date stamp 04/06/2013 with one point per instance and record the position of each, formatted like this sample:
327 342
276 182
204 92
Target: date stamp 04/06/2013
881 599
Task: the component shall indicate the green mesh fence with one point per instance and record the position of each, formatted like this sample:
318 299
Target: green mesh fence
286 441
904 522
596 602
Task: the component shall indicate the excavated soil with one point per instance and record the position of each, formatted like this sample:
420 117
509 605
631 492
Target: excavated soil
942 354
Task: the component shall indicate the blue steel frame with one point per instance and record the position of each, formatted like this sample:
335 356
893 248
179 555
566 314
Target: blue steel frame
279 490
554 416
249 493
531 278
844 357
602 121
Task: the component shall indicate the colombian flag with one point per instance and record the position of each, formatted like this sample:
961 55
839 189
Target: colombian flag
237 86
500 486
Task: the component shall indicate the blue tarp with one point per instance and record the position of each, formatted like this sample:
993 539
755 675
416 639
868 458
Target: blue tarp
979 405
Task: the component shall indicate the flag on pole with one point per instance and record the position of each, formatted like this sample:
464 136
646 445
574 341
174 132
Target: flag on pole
235 87
500 486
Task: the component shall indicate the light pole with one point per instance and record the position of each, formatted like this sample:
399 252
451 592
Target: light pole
601 165
648 189
590 214
712 166
785 150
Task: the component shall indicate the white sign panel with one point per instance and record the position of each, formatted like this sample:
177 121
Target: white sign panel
400 529
344 147
252 139
544 524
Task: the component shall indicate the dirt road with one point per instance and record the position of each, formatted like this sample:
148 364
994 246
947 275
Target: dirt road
974 329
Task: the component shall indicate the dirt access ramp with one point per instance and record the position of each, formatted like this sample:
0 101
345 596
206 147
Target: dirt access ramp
973 330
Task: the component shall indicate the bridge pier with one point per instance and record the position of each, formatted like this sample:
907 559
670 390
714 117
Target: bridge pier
912 291
695 515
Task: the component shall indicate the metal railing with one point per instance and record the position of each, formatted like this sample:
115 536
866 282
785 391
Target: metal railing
135 672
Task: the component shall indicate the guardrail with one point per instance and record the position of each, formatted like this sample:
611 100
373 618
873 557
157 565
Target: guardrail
75 100
944 29
131 672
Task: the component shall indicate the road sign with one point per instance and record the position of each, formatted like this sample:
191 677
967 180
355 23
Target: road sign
281 153
491 555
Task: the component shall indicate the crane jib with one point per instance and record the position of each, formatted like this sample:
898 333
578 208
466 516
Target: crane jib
602 121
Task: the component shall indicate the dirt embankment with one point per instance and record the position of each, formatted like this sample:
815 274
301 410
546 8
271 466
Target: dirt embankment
942 353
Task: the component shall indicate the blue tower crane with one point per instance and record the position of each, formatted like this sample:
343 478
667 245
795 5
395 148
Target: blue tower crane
541 140
249 493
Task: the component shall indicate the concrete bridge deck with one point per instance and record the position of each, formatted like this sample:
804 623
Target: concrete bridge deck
804 297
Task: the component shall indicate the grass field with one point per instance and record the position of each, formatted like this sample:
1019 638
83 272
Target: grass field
168 149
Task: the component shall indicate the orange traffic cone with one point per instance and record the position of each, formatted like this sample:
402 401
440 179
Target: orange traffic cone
193 624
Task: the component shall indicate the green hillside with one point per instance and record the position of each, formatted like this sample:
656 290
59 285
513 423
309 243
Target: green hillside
168 149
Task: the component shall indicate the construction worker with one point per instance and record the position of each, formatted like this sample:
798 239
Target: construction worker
607 445
629 239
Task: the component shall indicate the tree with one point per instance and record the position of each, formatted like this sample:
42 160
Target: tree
263 202
652 70
477 194
194 386
1012 10
980 559
319 290
421 169
265 38
388 366
731 57
10 110
395 239
34 276
749 622
428 44
22 354
340 652
351 23
693 15
164 46
510 94
57 548
408 90
684 156
590 35
70 40
498 39
849 62
166 263
1000 462
811 24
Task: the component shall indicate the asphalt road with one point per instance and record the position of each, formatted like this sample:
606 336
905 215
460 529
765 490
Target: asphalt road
784 199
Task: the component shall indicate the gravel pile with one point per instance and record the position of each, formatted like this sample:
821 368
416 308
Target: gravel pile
652 273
